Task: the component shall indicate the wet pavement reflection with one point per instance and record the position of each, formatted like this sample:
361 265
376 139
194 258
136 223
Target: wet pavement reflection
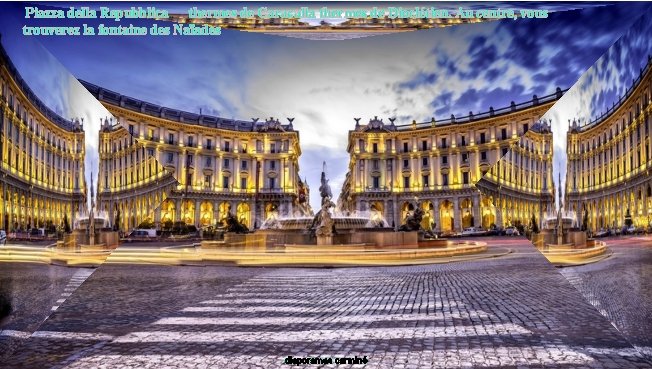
620 287
28 293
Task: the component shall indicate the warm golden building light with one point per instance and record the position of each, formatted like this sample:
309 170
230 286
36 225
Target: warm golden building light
214 164
609 162
439 162
42 169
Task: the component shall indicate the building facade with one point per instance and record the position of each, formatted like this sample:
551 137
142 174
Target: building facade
249 168
609 165
435 165
520 185
42 169
131 184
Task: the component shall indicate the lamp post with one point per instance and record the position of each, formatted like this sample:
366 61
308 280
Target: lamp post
500 204
31 208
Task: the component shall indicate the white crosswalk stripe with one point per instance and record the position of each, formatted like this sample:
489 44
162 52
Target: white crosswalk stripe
323 334
309 305
77 279
258 316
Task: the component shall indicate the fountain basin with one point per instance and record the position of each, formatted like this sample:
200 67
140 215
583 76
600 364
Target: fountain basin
344 255
303 223
381 237
596 252
437 242
548 238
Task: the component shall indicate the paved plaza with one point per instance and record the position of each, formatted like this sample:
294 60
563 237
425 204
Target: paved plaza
512 311
621 287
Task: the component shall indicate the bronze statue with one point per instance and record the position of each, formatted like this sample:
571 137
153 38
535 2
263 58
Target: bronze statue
323 223
233 225
413 222
325 188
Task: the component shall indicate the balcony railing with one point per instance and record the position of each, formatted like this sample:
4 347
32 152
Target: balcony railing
271 190
377 189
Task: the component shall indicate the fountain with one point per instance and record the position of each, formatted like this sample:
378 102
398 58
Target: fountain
562 242
323 224
560 229
332 237
307 223
376 219
90 230
331 226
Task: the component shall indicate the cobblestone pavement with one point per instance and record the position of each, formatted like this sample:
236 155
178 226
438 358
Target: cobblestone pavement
621 287
509 312
33 291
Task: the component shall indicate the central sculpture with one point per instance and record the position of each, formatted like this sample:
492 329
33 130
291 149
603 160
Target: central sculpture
323 225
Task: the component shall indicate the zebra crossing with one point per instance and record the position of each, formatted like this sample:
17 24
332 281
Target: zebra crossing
368 317
80 276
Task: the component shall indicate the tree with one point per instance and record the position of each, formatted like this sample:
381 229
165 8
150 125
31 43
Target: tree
167 225
628 219
534 225
585 221
50 227
146 224
116 221
66 224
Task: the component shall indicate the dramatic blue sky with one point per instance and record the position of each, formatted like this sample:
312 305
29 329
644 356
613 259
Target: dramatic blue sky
324 84
56 87
601 86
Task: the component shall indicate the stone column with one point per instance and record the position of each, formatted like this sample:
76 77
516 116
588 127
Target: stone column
385 214
644 205
11 211
477 215
395 219
456 214
499 210
437 215
157 216
197 213
253 220
177 209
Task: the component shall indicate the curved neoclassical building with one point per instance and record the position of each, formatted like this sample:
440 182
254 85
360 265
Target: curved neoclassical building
42 169
249 167
520 184
609 165
436 165
131 185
